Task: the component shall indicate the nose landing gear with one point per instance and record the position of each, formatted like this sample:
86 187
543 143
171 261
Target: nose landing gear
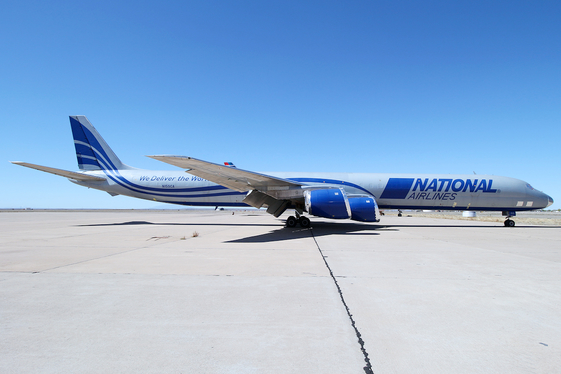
508 221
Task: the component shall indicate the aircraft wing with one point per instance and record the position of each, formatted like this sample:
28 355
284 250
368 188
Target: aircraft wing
63 173
233 178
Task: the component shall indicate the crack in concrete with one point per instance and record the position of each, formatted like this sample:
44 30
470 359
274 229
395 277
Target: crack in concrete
368 367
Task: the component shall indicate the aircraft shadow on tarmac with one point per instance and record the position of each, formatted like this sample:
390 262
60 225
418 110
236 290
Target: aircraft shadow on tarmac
317 229
480 226
132 223
280 233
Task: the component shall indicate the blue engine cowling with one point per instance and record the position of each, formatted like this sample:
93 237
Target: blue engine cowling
327 203
334 203
364 209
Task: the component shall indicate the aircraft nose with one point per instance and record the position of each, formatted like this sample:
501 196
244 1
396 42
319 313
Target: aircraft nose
549 201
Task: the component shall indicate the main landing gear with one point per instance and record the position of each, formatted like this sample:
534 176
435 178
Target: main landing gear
292 221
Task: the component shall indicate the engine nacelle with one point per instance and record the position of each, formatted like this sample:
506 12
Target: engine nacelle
334 203
327 203
364 209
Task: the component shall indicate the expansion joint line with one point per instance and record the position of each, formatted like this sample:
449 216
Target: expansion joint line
368 367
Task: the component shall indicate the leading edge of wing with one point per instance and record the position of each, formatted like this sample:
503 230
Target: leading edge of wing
60 172
233 178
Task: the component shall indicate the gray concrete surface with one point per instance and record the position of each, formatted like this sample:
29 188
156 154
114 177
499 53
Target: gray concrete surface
137 291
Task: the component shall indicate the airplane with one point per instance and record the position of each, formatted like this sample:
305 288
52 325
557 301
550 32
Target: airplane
355 196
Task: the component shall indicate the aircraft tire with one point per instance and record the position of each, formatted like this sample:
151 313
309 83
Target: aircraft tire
304 222
509 223
291 221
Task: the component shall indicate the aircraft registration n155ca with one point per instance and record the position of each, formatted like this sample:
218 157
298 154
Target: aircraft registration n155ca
355 196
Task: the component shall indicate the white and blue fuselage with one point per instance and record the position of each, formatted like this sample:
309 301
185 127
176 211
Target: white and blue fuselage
357 196
392 191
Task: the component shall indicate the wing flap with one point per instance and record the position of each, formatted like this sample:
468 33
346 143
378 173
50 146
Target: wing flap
233 178
60 172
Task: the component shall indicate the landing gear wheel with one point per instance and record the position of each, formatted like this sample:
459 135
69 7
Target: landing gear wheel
509 223
304 222
291 221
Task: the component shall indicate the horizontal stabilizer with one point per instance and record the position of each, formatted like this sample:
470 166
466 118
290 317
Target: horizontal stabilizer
63 173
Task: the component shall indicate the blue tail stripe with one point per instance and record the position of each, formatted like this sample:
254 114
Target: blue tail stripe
92 140
81 149
86 161
83 135
77 130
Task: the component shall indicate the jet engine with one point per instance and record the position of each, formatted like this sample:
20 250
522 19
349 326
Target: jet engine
327 203
364 209
334 203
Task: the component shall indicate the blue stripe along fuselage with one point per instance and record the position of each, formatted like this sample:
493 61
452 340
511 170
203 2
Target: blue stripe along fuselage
123 182
331 181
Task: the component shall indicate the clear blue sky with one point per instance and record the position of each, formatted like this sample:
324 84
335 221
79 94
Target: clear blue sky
363 86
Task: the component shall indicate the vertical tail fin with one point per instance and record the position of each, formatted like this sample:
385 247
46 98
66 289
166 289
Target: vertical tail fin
92 152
